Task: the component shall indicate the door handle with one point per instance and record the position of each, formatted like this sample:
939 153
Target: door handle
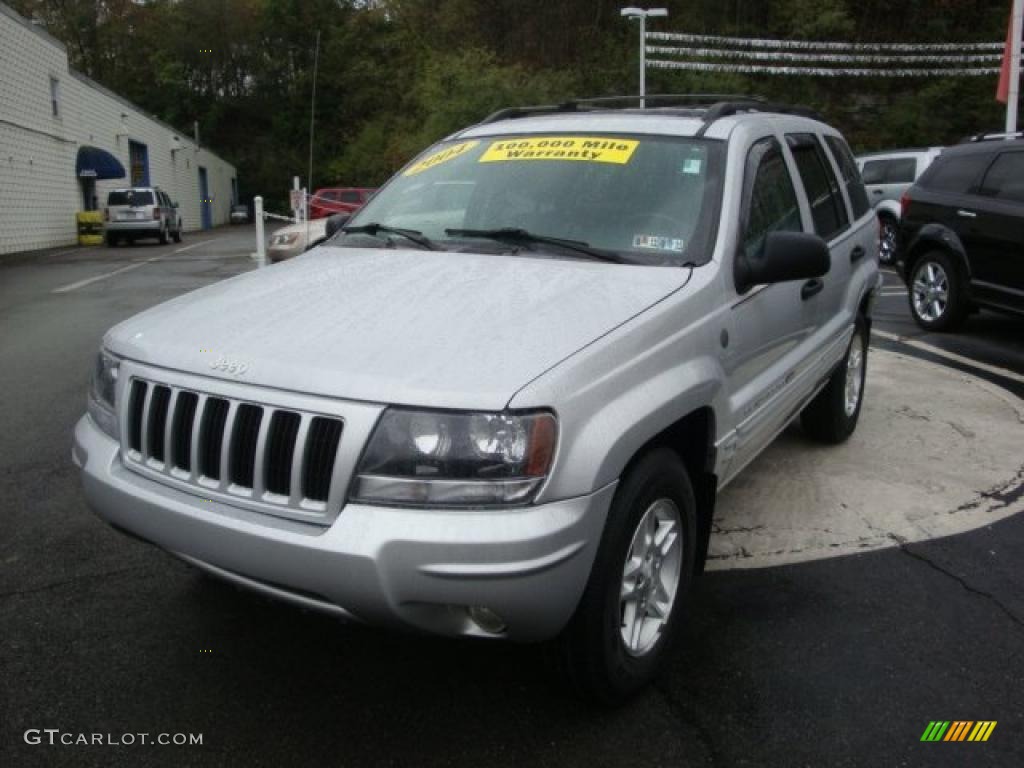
966 214
810 288
857 254
876 192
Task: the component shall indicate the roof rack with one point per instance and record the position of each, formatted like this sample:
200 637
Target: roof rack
991 137
707 106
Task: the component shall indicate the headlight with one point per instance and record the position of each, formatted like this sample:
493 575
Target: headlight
445 458
102 393
284 239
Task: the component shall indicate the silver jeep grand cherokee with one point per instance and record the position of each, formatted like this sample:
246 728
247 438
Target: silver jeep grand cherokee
506 412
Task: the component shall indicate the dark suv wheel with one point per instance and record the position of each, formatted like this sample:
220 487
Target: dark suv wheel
936 290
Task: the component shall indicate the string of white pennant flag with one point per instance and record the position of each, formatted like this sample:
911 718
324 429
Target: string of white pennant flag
860 59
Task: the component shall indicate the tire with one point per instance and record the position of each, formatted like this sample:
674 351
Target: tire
112 239
163 236
888 238
937 292
831 417
593 648
177 233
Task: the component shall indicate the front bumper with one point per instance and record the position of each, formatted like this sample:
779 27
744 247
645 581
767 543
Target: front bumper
409 568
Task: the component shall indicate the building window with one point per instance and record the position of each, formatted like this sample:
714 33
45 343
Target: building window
138 159
55 96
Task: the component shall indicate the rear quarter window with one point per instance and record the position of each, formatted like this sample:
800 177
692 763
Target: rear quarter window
957 174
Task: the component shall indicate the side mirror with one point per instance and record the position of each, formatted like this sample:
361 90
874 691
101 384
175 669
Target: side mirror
336 222
784 256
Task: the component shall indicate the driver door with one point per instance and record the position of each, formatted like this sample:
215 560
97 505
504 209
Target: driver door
771 326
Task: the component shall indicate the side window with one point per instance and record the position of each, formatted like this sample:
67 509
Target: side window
1005 179
771 200
902 171
828 210
851 176
874 171
957 174
350 196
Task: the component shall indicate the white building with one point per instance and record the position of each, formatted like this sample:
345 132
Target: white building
62 133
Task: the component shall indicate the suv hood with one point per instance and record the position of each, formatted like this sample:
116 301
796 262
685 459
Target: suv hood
439 329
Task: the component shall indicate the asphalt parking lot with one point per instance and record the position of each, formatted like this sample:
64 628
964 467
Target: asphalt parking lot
787 660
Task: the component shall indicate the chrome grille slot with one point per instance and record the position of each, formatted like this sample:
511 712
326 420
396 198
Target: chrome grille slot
243 444
211 437
136 403
321 450
181 430
156 429
284 429
282 459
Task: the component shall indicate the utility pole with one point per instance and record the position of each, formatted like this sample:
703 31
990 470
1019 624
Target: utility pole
1013 93
642 15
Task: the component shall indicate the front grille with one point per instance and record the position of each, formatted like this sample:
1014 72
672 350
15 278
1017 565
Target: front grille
280 458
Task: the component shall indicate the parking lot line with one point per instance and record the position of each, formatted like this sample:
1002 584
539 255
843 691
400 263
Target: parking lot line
1005 373
134 265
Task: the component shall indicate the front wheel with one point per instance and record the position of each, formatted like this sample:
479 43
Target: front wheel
634 600
831 417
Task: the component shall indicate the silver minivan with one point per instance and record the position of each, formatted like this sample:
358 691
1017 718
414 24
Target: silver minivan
140 212
886 176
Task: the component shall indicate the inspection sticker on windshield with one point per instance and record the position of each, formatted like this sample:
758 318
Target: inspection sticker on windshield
591 149
659 243
443 156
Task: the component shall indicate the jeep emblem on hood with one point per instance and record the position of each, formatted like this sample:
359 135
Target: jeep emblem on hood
227 365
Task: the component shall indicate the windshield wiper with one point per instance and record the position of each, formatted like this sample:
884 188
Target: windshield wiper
374 228
514 236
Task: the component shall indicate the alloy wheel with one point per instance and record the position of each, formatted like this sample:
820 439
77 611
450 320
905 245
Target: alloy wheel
854 375
650 577
930 291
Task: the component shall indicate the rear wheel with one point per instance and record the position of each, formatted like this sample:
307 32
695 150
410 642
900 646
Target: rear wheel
888 231
634 600
163 235
831 417
112 239
177 233
937 299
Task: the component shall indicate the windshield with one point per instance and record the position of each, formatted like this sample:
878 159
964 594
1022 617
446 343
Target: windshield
654 200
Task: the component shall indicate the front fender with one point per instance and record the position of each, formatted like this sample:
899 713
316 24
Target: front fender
616 395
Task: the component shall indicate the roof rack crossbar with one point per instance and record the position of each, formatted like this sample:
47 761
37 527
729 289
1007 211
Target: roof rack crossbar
715 106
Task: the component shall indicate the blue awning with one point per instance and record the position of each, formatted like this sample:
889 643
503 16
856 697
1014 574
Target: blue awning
96 163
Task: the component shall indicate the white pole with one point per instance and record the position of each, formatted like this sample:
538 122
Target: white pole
261 245
643 59
1013 94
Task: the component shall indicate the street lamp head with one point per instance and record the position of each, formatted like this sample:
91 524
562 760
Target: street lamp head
636 13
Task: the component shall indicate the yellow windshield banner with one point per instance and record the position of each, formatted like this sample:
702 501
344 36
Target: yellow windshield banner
591 149
442 156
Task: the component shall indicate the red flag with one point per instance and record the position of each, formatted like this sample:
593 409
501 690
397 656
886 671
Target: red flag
1003 91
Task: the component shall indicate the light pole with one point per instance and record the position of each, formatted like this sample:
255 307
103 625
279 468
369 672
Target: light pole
643 14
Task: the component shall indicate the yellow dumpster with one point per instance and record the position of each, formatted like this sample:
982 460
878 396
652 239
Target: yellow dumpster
90 227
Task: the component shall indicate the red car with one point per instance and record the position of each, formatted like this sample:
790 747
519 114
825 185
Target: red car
331 200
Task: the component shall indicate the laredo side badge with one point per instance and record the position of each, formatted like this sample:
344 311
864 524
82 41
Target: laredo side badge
442 156
590 149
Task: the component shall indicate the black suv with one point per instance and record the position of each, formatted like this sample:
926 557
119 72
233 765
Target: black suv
962 232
